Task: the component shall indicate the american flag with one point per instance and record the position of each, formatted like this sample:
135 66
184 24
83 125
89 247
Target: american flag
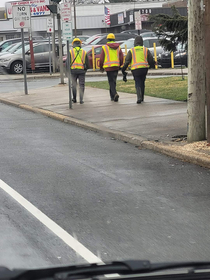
107 15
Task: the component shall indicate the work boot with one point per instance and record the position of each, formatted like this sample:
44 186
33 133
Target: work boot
116 97
139 96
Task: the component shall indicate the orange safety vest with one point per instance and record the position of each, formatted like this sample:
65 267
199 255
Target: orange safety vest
112 57
80 58
139 58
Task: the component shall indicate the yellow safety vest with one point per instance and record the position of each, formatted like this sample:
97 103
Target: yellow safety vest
139 58
112 56
80 58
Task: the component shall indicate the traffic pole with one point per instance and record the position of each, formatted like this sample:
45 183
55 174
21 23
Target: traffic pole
50 53
53 45
60 49
31 50
69 74
24 62
75 20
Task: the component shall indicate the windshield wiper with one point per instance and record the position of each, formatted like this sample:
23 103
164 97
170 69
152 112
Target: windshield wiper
130 267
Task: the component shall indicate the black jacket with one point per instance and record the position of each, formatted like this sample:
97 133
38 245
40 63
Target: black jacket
129 58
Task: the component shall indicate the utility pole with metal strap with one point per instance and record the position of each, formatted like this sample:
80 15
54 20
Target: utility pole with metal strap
196 72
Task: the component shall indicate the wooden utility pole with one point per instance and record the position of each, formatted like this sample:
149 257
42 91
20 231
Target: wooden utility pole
207 59
196 71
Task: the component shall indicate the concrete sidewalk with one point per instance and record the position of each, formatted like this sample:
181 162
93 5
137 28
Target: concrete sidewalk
156 124
91 73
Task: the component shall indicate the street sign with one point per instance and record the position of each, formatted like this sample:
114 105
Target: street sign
67 31
49 25
137 16
38 7
21 16
65 11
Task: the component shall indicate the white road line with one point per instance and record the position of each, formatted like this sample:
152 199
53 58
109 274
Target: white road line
56 229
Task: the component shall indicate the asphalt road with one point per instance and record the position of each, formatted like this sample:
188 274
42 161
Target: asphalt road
118 201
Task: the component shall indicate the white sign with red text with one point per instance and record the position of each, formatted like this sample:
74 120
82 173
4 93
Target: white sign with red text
49 25
21 16
137 16
37 7
65 11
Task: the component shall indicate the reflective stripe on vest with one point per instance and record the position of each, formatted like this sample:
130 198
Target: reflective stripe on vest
112 57
80 59
139 58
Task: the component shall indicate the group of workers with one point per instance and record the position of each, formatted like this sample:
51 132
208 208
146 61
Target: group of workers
111 60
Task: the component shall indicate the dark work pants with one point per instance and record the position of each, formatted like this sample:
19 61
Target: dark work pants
112 79
139 76
81 78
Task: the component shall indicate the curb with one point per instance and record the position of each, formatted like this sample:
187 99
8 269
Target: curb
90 74
166 149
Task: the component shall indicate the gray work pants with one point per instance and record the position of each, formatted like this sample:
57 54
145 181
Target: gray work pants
81 78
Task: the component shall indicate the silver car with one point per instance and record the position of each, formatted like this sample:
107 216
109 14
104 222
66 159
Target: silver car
13 63
12 48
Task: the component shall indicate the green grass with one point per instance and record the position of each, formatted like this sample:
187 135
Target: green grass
173 88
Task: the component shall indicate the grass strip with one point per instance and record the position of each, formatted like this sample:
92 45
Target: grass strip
173 88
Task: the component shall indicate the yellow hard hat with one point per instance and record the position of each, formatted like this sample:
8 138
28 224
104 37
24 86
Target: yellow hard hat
110 36
76 40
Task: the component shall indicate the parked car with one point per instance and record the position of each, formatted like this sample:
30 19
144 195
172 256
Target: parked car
148 34
13 63
180 57
4 44
147 42
83 38
119 37
12 48
91 39
135 32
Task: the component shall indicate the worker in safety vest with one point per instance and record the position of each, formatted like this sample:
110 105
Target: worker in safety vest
111 59
79 65
140 59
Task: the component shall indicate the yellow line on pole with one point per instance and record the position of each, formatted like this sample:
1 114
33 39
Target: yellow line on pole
126 50
172 60
155 54
93 59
